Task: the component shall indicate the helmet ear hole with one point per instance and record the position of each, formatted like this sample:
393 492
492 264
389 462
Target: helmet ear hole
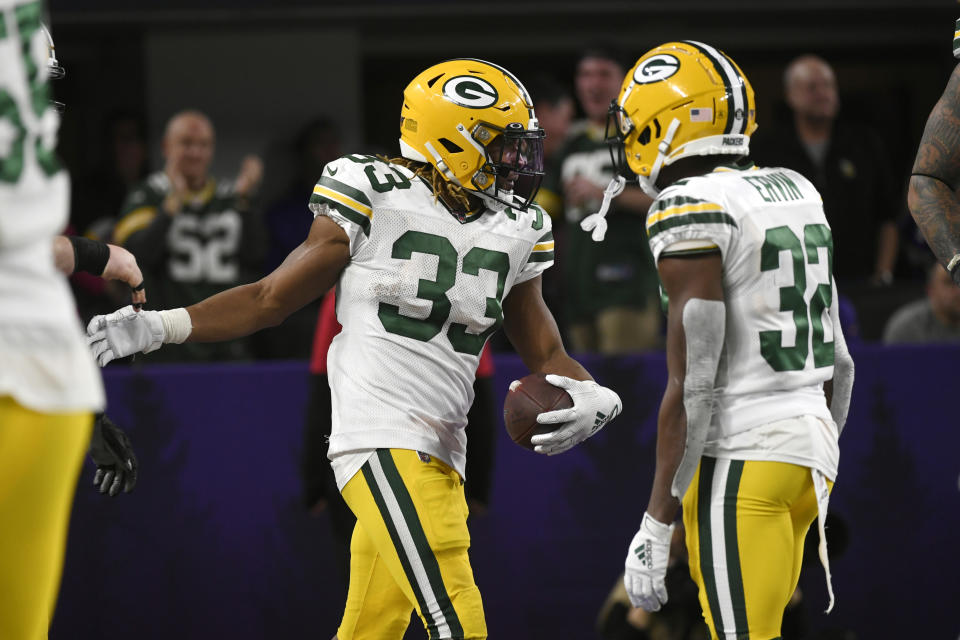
656 123
450 146
644 136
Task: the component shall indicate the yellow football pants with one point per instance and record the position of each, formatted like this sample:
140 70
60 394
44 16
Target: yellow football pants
409 551
40 457
745 526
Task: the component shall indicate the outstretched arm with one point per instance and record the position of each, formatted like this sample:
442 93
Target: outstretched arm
307 273
932 196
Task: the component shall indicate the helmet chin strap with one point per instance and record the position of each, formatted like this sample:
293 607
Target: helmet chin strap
649 183
596 223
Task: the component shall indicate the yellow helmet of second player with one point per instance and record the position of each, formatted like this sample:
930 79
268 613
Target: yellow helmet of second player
680 99
451 114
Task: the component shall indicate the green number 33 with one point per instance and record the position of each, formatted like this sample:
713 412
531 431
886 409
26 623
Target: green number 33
781 239
435 291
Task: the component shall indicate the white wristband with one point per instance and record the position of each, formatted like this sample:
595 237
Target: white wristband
176 325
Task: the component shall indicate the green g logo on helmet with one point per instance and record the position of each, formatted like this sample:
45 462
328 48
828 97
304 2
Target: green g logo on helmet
656 68
470 92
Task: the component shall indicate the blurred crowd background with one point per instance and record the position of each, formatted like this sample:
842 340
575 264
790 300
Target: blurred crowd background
299 83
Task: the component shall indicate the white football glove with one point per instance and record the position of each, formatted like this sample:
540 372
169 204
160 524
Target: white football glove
646 565
124 332
593 407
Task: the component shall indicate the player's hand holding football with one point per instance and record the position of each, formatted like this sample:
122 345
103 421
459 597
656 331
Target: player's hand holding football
646 566
593 407
124 332
113 454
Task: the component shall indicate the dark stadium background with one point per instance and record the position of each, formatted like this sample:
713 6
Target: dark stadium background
185 556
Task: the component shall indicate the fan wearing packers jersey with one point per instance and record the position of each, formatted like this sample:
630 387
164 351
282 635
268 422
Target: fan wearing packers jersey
935 178
194 234
747 431
430 253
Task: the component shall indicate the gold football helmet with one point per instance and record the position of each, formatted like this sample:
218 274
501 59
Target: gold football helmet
680 99
474 122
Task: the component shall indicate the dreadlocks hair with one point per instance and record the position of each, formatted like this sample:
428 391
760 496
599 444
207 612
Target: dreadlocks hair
453 194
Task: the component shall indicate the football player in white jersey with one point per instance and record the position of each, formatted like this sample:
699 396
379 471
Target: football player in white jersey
431 253
49 384
747 431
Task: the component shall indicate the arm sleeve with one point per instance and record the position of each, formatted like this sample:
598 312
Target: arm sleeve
842 369
541 253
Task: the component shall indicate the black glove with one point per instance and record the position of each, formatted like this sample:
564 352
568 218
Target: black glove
113 454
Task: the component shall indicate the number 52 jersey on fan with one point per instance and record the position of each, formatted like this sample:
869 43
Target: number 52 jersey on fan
777 253
422 293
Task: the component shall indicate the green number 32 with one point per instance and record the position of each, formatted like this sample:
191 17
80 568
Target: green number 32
11 165
781 239
436 291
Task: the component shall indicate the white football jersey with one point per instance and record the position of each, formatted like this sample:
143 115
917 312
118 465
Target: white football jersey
777 252
421 295
44 361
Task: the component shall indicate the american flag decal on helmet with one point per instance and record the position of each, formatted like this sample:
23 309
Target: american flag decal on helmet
701 115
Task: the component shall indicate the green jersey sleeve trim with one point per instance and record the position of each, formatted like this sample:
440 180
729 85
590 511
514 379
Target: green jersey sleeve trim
351 203
700 217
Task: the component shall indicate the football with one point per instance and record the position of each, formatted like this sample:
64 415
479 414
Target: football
527 398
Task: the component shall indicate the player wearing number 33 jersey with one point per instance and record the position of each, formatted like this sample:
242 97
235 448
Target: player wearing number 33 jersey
431 253
747 436
423 286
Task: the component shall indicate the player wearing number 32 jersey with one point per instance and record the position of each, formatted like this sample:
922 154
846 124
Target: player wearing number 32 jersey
747 436
431 252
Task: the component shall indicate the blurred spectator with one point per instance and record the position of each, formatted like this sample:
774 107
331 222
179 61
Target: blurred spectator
287 221
611 289
555 109
97 197
193 235
554 106
935 318
846 162
99 194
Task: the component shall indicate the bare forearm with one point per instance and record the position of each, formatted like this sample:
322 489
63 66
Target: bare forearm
533 332
305 275
63 255
233 313
671 440
936 210
562 364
